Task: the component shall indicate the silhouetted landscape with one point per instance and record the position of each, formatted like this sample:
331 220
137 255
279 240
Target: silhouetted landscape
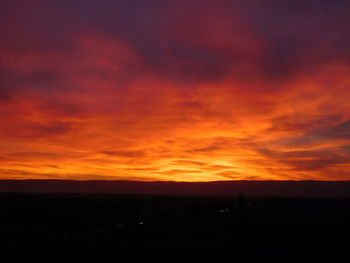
173 225
219 188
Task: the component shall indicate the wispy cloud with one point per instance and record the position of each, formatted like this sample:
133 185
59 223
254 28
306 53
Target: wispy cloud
175 90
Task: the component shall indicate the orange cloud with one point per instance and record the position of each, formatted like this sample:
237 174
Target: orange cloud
187 92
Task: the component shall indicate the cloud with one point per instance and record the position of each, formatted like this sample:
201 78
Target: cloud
308 159
180 171
232 175
30 129
189 163
130 154
341 131
175 90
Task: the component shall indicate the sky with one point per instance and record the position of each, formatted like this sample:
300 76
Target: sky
175 90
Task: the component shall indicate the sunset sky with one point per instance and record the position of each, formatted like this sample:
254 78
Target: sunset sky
178 90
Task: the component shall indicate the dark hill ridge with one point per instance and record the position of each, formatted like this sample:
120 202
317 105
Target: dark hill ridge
256 188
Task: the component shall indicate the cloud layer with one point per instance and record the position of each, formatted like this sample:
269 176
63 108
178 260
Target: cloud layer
175 90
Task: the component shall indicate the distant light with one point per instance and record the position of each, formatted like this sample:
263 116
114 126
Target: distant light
140 223
221 211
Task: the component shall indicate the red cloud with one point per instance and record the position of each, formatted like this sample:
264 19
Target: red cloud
178 90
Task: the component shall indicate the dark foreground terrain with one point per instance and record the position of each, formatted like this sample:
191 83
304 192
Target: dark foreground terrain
169 227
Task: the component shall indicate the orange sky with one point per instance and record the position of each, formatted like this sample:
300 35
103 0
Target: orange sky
175 90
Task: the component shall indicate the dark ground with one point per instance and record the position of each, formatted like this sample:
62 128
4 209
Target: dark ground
169 227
